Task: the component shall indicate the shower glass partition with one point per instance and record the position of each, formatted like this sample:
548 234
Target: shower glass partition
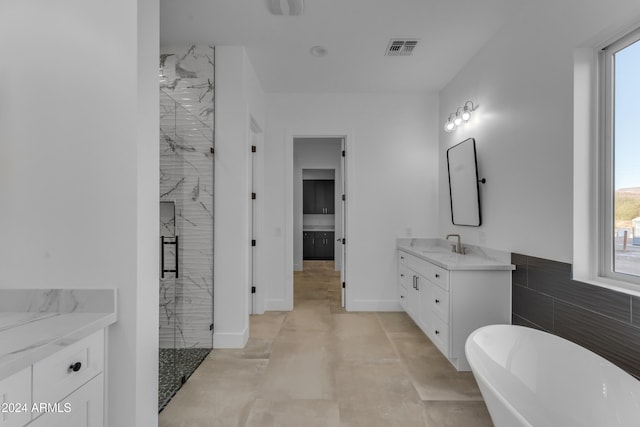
186 241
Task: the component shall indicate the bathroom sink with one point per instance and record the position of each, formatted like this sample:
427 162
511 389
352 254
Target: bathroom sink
433 250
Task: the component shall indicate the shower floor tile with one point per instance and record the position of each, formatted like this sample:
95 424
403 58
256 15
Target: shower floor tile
174 363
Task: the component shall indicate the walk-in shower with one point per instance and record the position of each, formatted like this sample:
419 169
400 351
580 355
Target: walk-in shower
186 214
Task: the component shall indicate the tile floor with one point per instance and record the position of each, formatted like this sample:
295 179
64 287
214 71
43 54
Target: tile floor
173 364
321 366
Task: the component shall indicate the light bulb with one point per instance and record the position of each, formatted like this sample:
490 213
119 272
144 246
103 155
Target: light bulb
458 120
466 111
449 126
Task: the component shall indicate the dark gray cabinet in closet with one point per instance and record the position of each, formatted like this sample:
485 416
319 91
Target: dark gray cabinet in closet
318 196
318 245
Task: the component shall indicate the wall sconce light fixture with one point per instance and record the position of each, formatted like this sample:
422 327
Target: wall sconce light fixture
460 117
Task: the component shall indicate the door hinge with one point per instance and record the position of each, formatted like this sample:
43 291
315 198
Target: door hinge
212 150
253 242
344 241
344 197
253 196
211 327
253 289
344 153
253 148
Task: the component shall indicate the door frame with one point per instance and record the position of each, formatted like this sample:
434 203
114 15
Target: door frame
255 303
349 144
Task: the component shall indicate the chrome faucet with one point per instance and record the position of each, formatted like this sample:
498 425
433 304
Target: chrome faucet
457 248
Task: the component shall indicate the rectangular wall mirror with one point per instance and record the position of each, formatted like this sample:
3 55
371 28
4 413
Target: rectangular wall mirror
464 184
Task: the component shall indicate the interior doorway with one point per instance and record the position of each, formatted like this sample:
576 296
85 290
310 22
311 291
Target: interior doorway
318 215
319 218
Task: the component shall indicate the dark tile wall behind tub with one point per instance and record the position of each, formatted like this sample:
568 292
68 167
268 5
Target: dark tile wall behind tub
604 321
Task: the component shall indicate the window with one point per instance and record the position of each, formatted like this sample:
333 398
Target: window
620 195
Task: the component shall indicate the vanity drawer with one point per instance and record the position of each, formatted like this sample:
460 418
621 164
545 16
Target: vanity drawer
83 408
67 370
403 259
403 275
15 399
418 265
440 303
440 334
439 276
402 297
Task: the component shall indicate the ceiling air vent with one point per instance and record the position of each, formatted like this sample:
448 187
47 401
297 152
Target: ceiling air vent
285 7
401 47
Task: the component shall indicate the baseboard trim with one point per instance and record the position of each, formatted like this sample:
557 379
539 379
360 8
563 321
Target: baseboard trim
373 305
231 340
277 305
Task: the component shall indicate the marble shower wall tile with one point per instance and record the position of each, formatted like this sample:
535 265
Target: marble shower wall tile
186 74
58 300
186 178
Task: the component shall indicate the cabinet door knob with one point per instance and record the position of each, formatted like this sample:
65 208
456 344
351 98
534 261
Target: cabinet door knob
437 301
401 296
437 275
401 275
75 367
437 332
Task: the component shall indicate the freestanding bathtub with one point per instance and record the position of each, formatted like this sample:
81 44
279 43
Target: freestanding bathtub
532 378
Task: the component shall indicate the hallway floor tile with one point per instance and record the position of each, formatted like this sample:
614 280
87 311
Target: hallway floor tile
321 366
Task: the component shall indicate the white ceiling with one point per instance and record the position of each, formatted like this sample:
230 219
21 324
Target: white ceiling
355 33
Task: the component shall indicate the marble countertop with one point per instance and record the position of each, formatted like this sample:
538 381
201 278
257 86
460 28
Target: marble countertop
45 321
438 252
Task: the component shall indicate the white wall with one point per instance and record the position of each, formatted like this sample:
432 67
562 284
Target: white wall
315 154
522 82
79 170
392 185
148 170
238 98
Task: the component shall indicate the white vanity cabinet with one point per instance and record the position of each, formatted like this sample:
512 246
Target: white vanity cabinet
82 408
64 389
15 393
449 304
71 381
53 347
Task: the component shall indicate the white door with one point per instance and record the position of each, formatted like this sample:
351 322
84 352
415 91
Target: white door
343 252
252 225
255 292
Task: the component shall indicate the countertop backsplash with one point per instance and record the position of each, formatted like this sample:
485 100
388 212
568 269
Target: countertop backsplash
58 300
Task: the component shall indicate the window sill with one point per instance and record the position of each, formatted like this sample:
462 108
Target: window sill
614 285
